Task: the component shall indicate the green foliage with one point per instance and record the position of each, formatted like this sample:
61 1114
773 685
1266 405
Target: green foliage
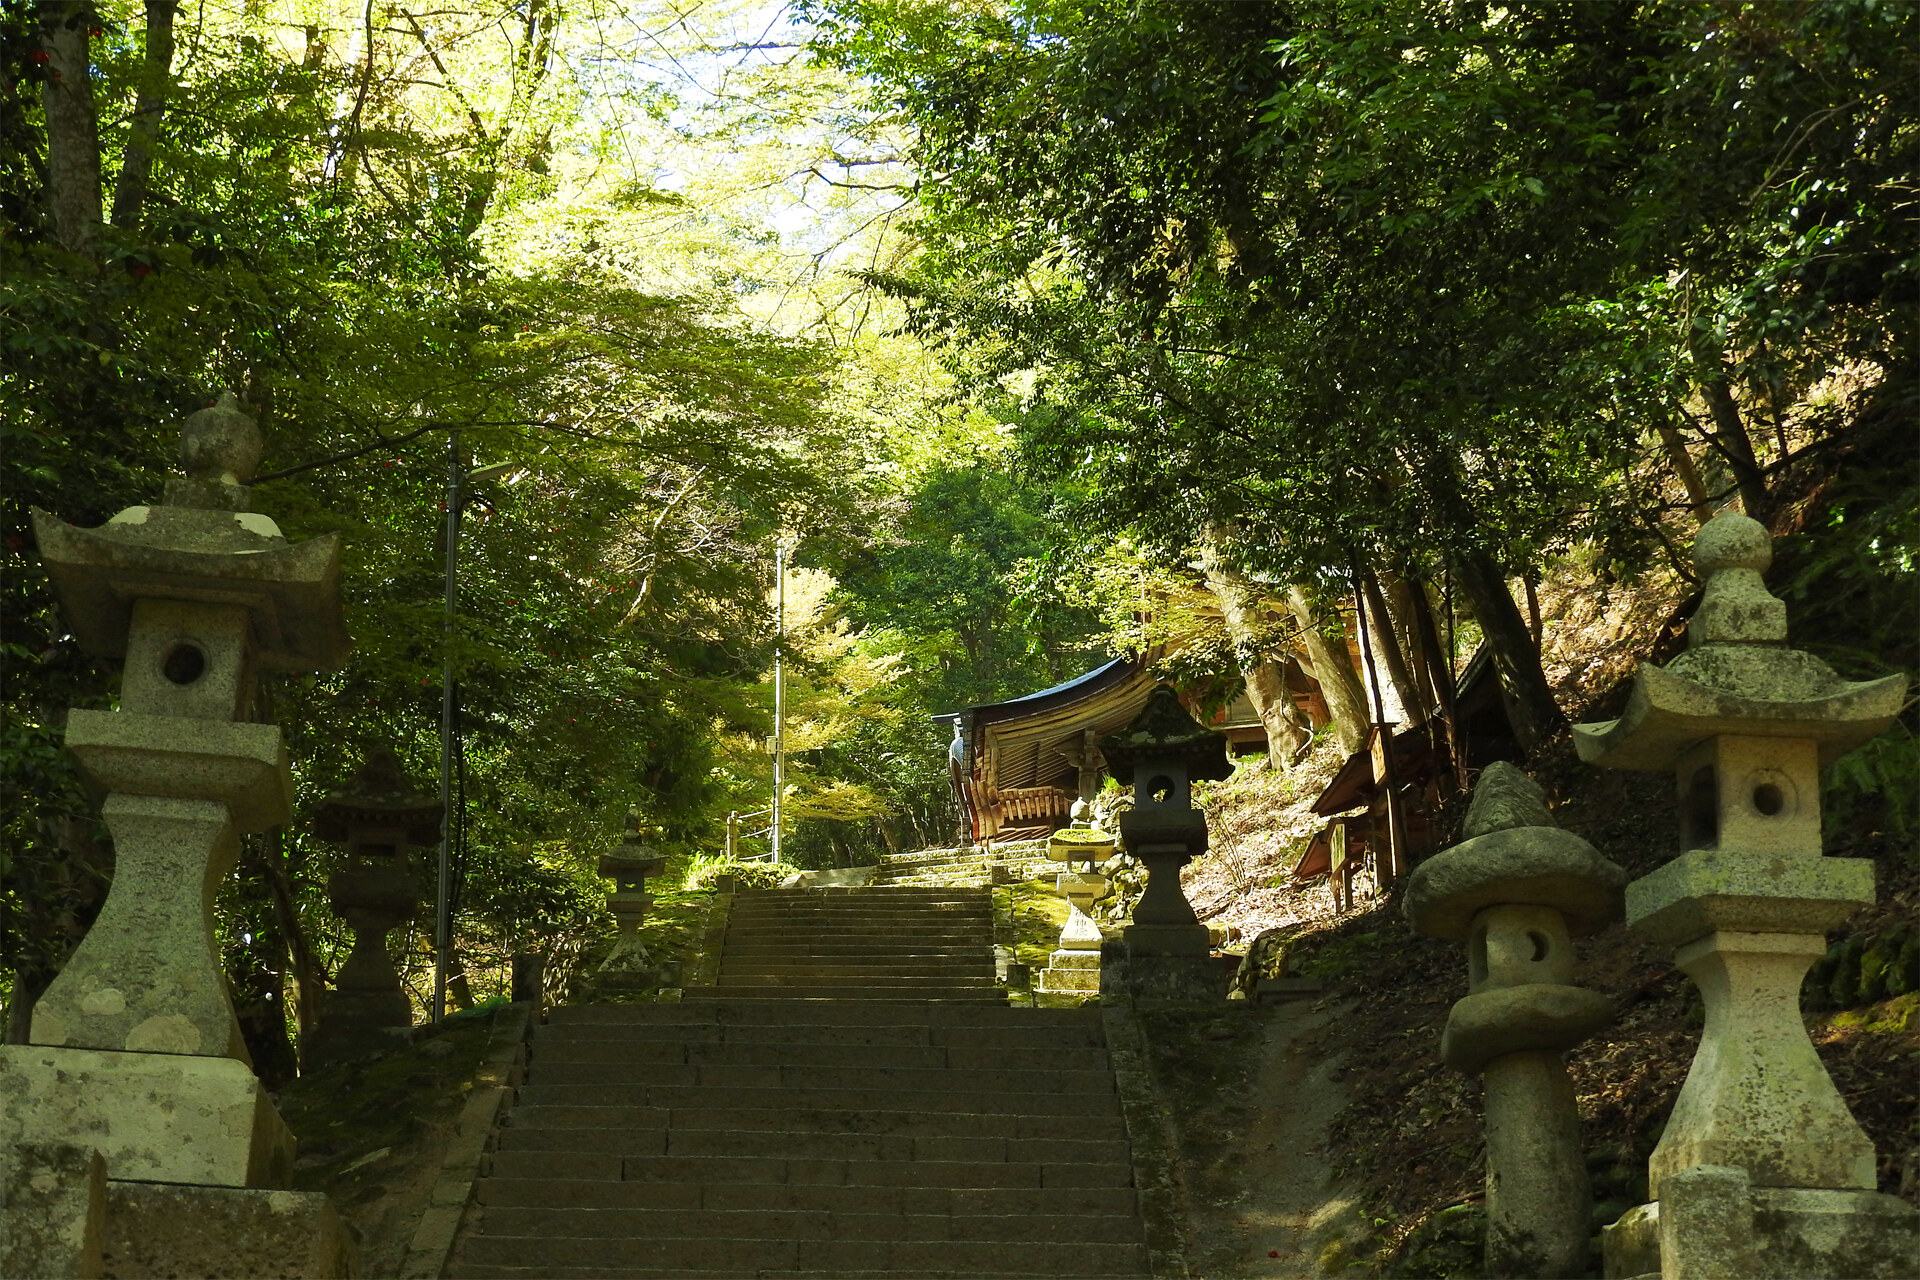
703 869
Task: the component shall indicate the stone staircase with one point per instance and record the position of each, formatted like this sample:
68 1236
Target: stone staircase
973 866
884 1113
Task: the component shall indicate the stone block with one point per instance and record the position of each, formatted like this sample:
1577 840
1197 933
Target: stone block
52 1211
1630 1246
1174 979
171 1232
1791 1233
1167 940
1280 990
1706 890
153 1116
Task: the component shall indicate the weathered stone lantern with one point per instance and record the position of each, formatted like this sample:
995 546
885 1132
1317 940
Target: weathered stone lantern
1165 751
135 1051
1517 890
377 819
1074 966
628 967
1762 1171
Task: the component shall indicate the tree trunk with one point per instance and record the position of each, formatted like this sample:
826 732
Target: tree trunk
309 977
73 124
156 77
1697 496
1386 645
1421 649
1516 659
1332 667
1730 437
1288 732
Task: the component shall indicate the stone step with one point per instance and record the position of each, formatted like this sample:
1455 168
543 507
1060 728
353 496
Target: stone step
488 1272
693 1010
872 1079
835 1054
803 1224
849 985
921 994
757 1143
710 1171
637 1094
755 1257
759 1256
804 1120
863 927
902 973
582 1193
677 1036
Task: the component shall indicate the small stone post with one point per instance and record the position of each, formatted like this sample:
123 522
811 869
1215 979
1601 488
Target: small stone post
1074 967
376 819
1517 890
135 1050
628 967
1166 751
1762 1171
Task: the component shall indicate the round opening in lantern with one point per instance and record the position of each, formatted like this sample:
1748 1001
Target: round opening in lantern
1768 799
184 663
1160 790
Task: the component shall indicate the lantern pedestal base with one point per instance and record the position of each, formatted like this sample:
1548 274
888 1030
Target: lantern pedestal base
1711 1223
158 1117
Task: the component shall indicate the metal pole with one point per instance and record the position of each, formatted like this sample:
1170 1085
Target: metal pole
442 925
779 687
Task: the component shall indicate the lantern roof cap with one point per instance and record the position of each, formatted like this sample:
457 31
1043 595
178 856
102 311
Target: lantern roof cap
380 795
1738 676
201 544
1163 730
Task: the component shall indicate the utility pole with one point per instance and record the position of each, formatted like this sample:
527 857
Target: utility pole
779 685
442 925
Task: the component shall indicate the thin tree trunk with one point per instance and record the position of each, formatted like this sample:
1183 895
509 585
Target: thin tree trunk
156 77
1697 496
309 978
1387 646
73 124
1332 667
1421 651
1288 733
1516 659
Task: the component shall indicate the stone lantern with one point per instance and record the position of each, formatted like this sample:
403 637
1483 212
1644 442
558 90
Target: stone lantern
1762 1171
628 967
1074 966
135 1051
1517 890
1165 751
377 819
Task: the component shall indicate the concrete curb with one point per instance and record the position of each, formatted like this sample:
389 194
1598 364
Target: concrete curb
704 965
1150 1139
501 1073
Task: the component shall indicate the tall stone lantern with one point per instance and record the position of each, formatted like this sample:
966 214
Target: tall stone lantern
1762 1171
377 818
628 967
1074 967
1165 751
135 1051
1517 889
